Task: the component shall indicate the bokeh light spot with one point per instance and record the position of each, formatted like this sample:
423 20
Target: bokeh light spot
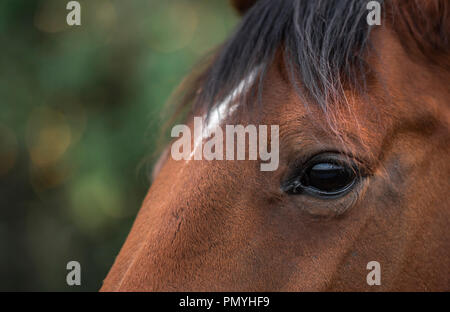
182 21
8 149
51 16
43 178
95 200
105 13
48 136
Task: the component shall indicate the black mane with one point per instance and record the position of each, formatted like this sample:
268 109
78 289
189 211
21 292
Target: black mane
323 42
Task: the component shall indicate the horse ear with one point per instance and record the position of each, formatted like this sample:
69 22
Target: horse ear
242 6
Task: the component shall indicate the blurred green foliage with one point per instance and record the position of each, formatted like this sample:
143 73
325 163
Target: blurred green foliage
79 110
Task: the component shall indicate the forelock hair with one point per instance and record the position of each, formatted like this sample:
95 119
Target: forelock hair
324 44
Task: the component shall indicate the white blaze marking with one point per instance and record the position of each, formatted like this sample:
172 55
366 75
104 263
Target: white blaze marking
223 110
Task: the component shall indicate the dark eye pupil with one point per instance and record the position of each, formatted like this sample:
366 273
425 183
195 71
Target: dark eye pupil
328 177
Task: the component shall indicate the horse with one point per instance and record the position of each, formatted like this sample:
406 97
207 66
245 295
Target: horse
363 175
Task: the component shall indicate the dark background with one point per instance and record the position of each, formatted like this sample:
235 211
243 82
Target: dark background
80 111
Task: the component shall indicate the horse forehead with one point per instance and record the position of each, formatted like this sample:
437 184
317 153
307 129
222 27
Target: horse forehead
283 105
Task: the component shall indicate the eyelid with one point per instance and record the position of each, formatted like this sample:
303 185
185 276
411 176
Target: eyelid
341 158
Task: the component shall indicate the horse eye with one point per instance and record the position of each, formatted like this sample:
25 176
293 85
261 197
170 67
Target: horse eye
328 178
324 178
